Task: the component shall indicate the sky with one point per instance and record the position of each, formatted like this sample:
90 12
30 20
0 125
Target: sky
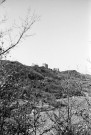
62 36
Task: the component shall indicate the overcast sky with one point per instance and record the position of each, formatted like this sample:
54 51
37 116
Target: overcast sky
62 37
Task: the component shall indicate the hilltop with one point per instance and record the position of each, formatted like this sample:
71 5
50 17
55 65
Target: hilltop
21 81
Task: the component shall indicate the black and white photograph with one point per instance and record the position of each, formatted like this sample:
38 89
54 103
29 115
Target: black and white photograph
45 67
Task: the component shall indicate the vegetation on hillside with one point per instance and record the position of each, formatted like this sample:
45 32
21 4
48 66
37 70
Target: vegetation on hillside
20 78
30 95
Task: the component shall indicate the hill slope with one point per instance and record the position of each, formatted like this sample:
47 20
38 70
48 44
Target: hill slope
21 81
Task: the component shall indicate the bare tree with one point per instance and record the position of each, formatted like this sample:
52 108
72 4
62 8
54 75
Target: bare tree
63 116
21 32
7 43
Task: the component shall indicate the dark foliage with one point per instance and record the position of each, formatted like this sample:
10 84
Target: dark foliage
22 87
17 78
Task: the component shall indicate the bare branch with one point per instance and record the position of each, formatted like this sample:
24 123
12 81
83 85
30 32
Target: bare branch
47 130
3 20
2 2
24 28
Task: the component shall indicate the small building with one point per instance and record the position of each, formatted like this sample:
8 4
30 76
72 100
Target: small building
35 65
56 69
45 65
